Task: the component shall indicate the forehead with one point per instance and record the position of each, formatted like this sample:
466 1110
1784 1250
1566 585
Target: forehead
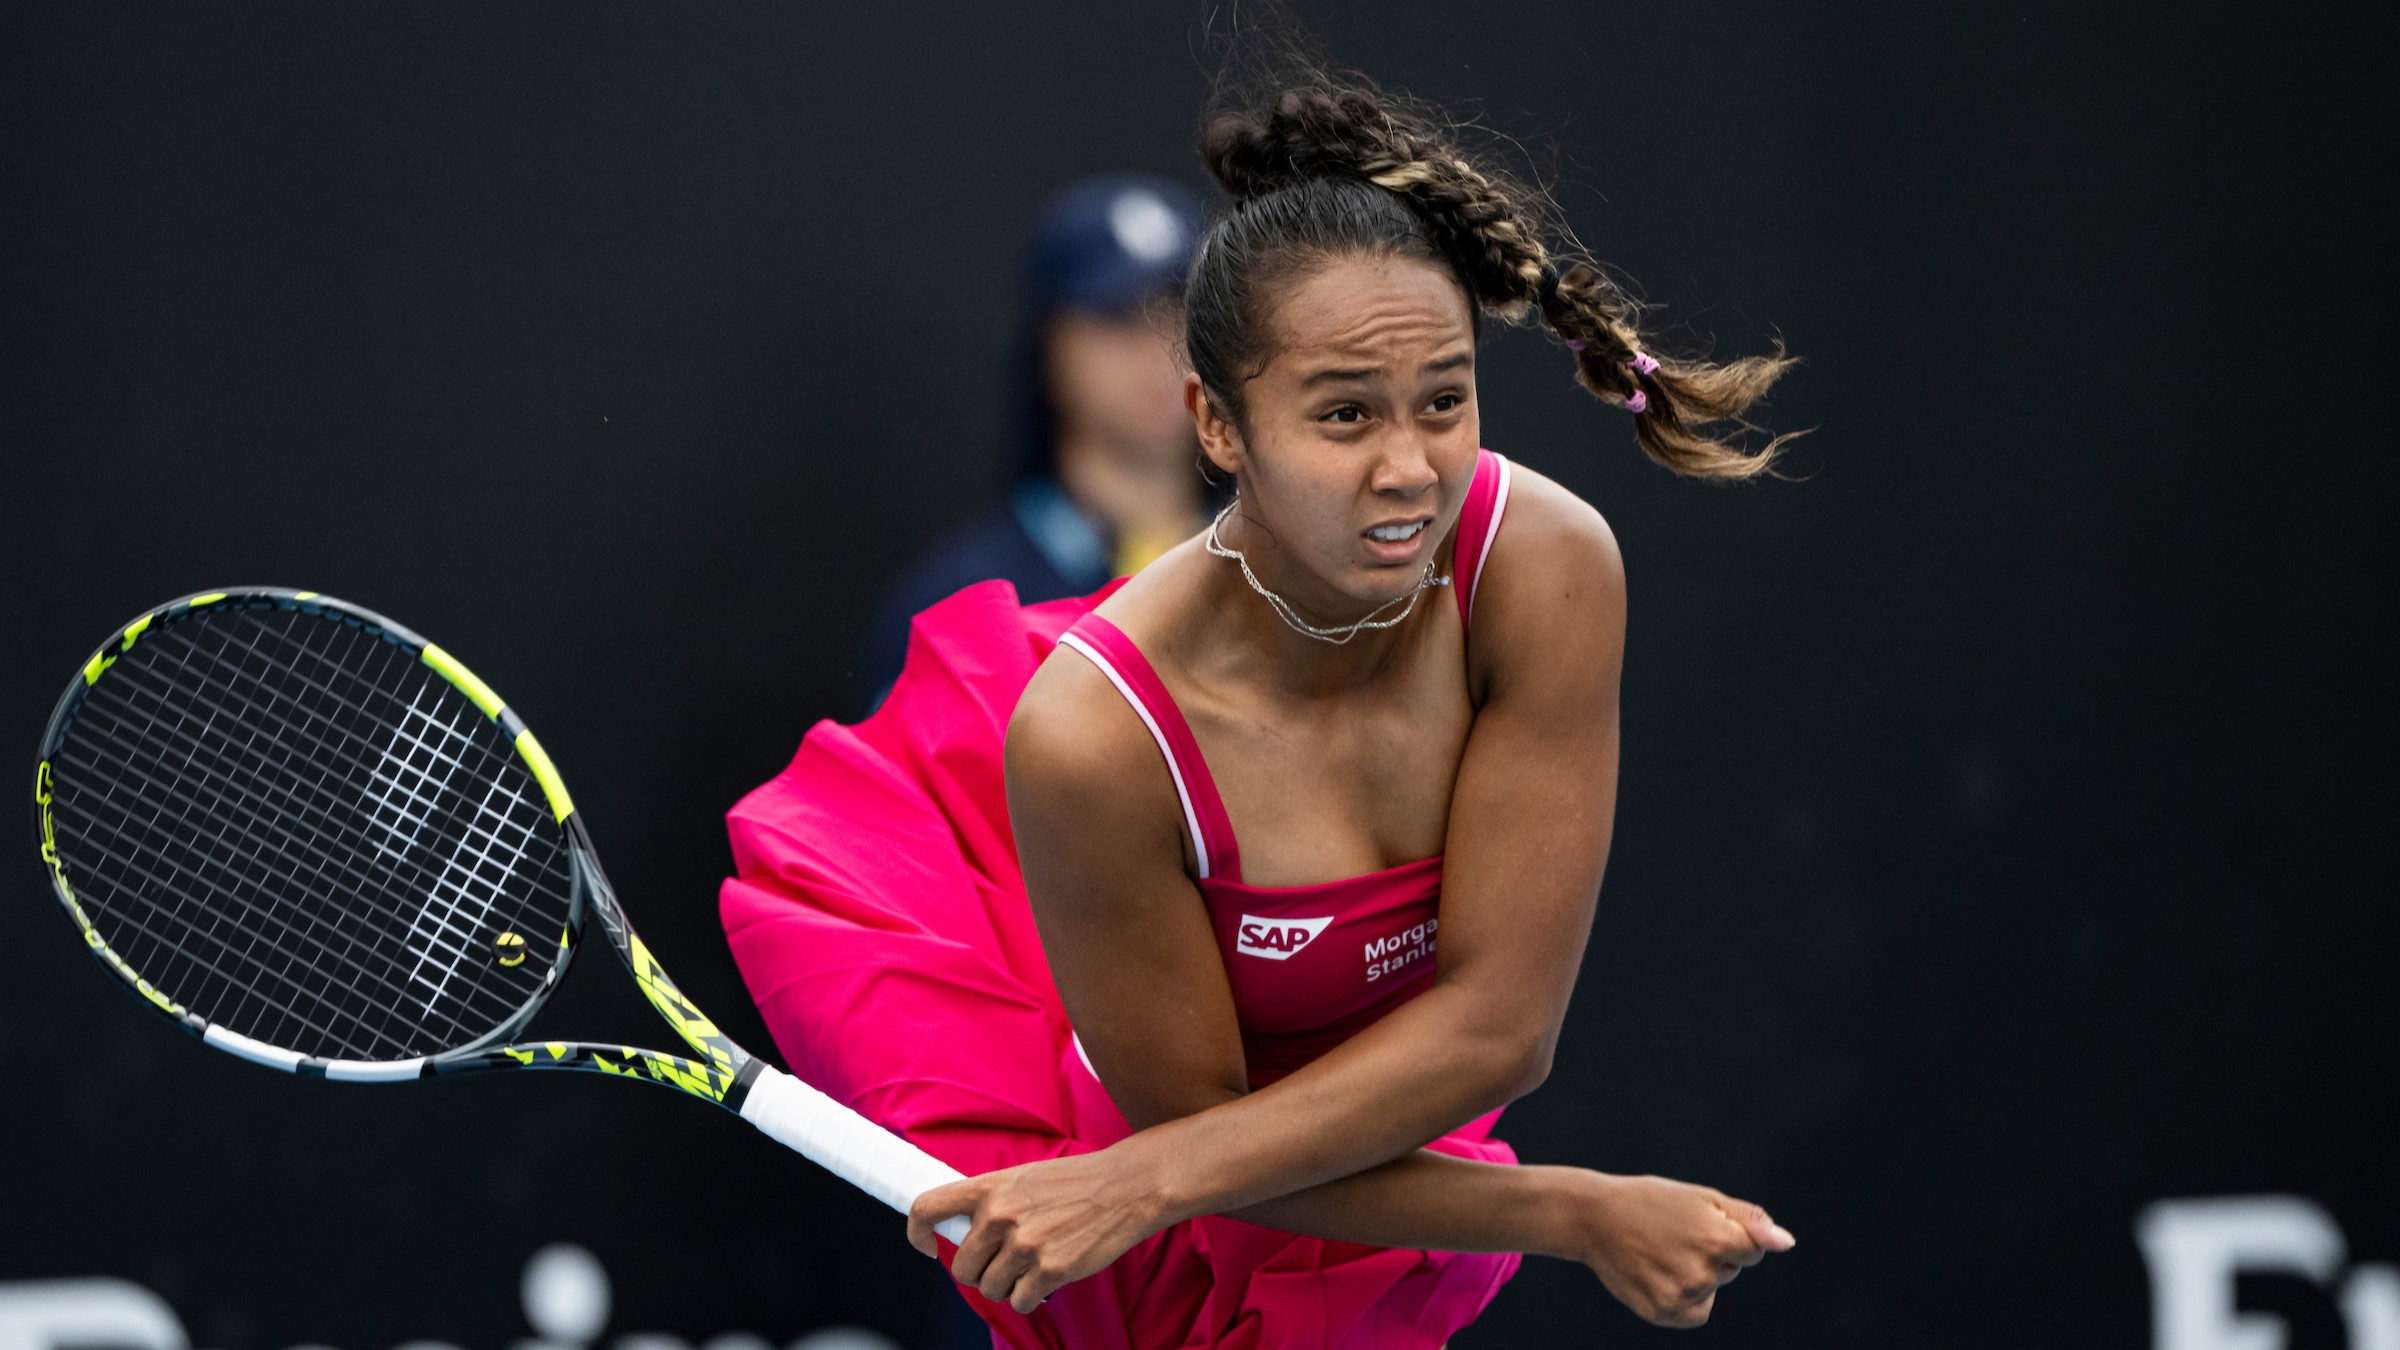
1371 310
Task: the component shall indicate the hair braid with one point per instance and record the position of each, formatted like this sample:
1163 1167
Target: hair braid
1490 228
1352 132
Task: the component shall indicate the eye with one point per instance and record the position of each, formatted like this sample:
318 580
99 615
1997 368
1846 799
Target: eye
1443 403
1347 413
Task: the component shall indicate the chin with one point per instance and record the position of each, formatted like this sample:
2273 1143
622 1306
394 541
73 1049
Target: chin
1383 585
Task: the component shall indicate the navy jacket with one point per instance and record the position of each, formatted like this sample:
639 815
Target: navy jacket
1034 537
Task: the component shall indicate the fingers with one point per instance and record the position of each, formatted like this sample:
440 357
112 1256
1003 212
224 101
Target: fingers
1681 1296
1763 1232
984 1239
958 1197
1001 1276
1009 1272
992 1261
1034 1286
1723 1244
1005 1270
975 1254
1691 1312
995 1260
1737 1256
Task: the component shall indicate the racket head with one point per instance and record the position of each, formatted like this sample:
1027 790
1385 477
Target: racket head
308 835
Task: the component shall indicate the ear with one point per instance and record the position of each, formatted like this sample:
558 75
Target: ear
1220 440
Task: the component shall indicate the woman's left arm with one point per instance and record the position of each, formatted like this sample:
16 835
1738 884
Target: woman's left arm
1527 839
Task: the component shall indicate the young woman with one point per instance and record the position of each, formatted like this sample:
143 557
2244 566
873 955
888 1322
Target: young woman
1311 812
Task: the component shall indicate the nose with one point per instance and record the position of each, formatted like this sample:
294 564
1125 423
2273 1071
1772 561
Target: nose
1403 469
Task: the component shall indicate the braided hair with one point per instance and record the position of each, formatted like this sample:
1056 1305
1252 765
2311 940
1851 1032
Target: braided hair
1334 167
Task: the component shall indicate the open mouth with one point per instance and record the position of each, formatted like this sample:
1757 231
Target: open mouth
1398 534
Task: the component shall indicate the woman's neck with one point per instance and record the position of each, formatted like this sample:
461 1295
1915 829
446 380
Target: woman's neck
1241 634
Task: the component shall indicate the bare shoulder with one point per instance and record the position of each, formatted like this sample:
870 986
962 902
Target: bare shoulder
1554 571
1078 752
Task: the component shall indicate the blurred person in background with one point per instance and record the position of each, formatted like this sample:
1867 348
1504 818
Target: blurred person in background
1103 474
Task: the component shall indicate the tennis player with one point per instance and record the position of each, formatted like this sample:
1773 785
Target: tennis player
1209 921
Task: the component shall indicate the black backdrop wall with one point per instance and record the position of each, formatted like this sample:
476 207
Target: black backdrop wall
2004 807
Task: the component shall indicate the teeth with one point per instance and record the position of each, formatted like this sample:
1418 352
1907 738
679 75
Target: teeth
1393 534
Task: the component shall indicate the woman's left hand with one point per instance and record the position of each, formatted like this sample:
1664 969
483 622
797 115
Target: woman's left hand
1041 1225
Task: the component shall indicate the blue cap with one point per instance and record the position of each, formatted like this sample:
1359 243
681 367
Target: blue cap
1105 245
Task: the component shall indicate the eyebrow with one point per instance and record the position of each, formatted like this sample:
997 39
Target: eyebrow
1353 376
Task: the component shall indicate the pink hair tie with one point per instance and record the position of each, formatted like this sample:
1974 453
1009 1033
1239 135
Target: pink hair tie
1642 363
1574 344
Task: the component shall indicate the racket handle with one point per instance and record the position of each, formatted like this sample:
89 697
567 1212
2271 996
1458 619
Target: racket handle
847 1144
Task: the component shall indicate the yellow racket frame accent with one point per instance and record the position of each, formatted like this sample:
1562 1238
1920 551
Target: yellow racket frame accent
477 692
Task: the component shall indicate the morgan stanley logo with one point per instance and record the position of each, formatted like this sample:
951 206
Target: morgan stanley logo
1277 939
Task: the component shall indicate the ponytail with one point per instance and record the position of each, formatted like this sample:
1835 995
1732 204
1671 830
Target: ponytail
1333 166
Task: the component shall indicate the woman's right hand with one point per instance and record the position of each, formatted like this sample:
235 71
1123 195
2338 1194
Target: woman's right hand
1040 1225
1665 1247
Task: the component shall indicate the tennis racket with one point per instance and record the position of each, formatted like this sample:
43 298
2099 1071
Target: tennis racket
316 841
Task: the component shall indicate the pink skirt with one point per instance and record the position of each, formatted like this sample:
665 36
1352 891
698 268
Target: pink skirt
879 919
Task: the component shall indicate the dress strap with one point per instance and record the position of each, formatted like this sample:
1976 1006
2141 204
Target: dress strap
1478 526
1106 646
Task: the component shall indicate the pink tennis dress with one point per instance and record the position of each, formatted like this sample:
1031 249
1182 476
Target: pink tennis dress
879 919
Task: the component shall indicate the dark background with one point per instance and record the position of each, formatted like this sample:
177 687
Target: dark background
2005 808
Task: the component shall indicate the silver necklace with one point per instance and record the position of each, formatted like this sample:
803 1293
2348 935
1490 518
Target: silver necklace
1283 608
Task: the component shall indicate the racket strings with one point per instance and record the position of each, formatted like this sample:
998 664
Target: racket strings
261 923
254 924
247 805
292 827
256 816
401 803
523 821
218 710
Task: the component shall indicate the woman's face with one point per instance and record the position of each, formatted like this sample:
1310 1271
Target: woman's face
1359 437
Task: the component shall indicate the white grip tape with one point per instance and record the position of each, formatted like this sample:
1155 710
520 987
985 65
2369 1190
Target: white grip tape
847 1144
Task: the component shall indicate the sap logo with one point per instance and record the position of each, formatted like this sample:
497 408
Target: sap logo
2196 1248
1277 939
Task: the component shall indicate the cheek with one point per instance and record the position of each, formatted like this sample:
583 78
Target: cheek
1453 449
1459 452
1306 500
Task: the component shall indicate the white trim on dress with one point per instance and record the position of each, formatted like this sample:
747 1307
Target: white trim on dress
1191 817
1483 557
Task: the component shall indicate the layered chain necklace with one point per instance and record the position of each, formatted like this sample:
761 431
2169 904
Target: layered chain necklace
1283 608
